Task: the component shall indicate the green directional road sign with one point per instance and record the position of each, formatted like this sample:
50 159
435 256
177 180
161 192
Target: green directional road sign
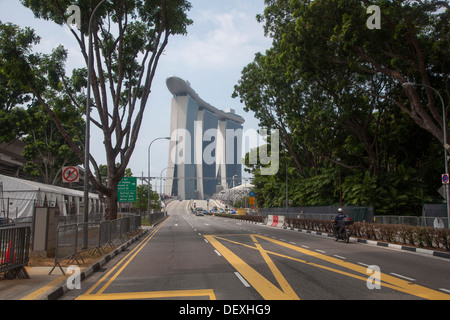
127 190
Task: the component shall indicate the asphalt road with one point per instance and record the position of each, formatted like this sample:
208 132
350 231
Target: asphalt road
209 258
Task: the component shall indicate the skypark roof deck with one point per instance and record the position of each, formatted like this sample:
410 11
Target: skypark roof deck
180 87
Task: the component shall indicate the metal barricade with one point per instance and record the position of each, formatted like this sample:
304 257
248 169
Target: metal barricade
70 241
14 252
124 228
66 244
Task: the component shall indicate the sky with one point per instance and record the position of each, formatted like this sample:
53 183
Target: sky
223 39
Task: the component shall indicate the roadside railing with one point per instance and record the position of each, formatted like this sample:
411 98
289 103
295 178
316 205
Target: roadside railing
69 241
413 221
14 252
155 217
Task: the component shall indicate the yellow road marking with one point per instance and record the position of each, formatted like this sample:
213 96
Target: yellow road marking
287 289
258 283
130 255
395 283
264 287
151 295
45 288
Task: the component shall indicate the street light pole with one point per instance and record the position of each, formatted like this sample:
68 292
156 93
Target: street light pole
160 178
149 173
88 129
446 146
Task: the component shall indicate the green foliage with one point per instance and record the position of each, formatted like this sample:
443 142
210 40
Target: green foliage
46 150
142 198
129 38
334 90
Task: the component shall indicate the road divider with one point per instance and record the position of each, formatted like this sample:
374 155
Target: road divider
276 221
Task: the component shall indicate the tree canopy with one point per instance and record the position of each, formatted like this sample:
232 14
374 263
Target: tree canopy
341 97
129 37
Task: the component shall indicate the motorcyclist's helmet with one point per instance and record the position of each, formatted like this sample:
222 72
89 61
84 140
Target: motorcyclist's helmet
340 210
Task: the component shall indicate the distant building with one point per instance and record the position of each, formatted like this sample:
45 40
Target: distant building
205 150
11 160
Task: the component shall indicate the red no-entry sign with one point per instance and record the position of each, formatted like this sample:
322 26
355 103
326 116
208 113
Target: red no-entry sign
71 174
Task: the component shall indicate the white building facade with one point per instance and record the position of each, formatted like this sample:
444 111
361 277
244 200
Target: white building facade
205 153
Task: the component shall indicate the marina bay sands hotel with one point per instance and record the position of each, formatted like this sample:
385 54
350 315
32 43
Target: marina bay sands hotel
206 145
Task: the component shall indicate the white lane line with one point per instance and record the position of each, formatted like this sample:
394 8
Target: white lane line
321 251
206 241
218 253
199 233
245 283
445 290
292 243
176 225
363 264
306 247
340 257
403 277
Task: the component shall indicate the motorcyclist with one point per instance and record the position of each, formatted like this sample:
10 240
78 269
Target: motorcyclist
338 221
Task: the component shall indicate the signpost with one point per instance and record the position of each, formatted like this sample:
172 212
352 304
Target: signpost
127 190
251 199
70 175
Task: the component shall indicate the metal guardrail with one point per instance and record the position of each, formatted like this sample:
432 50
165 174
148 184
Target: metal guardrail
70 237
14 252
155 217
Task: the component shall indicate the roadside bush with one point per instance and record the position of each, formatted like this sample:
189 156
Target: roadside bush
368 231
238 217
425 236
393 233
442 238
388 232
407 234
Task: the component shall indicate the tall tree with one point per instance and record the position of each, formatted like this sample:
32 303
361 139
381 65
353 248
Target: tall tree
337 88
46 151
412 46
129 37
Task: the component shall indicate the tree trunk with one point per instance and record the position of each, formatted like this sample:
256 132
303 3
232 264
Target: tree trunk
111 206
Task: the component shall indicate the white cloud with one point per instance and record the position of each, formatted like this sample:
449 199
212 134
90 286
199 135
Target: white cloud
219 41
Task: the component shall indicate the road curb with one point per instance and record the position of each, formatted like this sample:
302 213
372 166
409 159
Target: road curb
430 252
62 289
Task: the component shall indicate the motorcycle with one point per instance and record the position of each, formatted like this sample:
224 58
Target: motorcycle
343 233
